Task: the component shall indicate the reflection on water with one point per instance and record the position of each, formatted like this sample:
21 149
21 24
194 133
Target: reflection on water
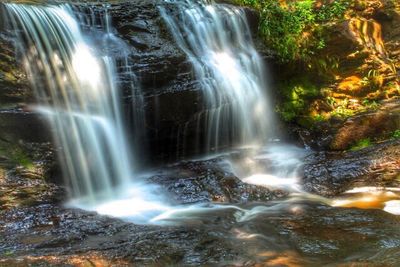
300 230
386 198
285 258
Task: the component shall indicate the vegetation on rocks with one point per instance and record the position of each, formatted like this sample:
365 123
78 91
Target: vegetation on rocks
396 134
296 30
336 59
15 155
336 63
363 143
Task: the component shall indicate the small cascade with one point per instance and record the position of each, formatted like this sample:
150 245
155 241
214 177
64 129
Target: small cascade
69 60
96 22
79 69
217 41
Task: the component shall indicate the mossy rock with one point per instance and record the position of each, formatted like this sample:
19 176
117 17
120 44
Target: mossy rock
375 125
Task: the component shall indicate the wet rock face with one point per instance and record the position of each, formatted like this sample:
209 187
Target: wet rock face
21 125
169 91
20 188
159 64
209 181
25 149
24 135
170 95
340 134
35 229
14 85
332 173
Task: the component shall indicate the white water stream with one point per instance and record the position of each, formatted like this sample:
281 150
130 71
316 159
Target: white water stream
76 84
76 87
217 41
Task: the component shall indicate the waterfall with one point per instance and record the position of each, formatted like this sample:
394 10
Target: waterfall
75 82
217 41
78 66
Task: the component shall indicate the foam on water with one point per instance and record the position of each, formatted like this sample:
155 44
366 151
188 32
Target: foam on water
67 57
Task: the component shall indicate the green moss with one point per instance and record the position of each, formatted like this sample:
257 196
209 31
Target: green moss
332 11
363 143
297 32
8 253
396 134
296 95
15 155
343 112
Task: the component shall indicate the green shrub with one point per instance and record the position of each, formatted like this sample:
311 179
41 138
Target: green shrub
319 118
282 28
332 11
370 104
295 31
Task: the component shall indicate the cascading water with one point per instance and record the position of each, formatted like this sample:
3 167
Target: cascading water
76 87
217 40
96 22
68 52
68 55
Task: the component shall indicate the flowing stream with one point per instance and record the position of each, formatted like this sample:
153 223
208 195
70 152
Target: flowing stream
69 55
240 203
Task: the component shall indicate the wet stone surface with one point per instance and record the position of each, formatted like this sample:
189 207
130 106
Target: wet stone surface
26 174
247 228
331 173
261 228
210 181
301 234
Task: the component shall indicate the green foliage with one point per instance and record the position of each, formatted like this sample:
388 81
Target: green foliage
319 118
363 143
296 96
396 134
370 104
340 107
252 3
298 31
332 11
342 112
282 28
295 31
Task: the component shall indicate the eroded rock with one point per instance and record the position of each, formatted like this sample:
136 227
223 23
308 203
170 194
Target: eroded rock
332 173
208 181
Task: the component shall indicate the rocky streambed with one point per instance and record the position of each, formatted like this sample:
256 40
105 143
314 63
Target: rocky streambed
232 221
236 224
